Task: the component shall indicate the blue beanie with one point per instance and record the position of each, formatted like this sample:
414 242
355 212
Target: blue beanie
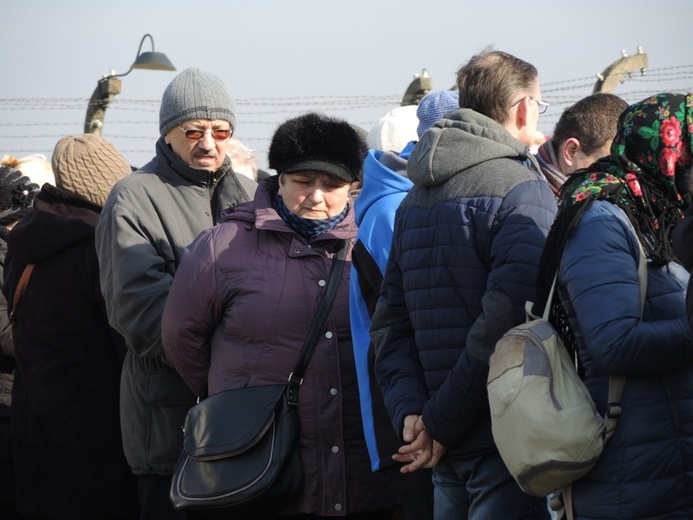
434 106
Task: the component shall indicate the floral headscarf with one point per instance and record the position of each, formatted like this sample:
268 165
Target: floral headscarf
647 175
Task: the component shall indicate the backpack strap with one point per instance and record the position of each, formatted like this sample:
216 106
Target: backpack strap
617 383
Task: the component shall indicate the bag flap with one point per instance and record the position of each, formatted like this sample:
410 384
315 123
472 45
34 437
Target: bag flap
509 353
230 421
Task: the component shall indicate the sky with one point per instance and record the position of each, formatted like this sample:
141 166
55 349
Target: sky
280 59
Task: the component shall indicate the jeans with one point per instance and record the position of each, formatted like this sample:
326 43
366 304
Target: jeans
480 488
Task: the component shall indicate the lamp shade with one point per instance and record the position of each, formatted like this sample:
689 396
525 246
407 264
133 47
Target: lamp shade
152 61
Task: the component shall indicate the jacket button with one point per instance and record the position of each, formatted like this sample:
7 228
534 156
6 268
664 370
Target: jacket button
321 283
338 507
328 335
335 449
297 251
333 391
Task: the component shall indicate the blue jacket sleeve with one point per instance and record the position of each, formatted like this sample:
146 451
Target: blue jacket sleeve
599 272
397 366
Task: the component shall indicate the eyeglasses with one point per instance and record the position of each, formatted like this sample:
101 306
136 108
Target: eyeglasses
218 134
543 105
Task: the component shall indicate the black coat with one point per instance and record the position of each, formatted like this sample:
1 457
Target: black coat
68 454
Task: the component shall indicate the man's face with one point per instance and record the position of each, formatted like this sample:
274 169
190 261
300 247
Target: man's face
572 158
205 152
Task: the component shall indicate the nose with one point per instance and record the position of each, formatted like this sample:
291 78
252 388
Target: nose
207 141
317 196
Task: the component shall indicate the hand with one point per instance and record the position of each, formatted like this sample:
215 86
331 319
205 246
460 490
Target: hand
422 451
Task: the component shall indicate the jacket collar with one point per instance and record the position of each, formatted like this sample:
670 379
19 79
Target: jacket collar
169 163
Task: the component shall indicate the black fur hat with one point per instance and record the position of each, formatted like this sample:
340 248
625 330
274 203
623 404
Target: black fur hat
316 142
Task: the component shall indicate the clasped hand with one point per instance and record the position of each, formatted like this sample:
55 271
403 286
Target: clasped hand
421 451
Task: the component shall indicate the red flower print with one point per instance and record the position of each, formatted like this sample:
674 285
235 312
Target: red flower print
685 158
580 196
670 132
667 161
593 176
633 184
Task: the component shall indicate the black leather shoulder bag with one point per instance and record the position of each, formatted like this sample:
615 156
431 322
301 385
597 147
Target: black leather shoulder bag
241 451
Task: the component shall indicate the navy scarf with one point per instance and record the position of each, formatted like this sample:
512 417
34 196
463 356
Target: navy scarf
308 228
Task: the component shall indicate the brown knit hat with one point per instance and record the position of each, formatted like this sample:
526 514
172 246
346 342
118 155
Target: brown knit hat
88 166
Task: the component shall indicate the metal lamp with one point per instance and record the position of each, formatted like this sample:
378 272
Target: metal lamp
110 85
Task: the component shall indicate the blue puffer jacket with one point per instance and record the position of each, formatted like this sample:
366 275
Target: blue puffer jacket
466 246
646 469
384 187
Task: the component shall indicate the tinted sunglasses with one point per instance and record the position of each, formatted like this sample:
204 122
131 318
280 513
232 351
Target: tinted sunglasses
217 134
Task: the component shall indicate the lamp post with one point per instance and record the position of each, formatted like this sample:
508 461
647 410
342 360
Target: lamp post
417 89
110 85
616 73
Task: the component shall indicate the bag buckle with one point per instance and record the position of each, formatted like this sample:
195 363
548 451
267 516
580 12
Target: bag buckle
556 501
292 390
614 410
292 380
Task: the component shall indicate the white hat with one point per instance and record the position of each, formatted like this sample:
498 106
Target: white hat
394 130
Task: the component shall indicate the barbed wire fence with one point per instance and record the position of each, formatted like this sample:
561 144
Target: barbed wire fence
34 125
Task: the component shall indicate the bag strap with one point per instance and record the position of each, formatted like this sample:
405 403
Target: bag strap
18 292
296 377
617 383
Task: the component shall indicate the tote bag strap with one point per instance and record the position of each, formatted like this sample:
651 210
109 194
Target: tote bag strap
296 377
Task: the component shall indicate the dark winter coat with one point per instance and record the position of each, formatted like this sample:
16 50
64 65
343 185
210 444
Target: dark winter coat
464 259
68 454
7 366
239 310
149 218
646 469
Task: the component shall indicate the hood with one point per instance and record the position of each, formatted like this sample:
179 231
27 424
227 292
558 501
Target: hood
384 174
58 220
462 140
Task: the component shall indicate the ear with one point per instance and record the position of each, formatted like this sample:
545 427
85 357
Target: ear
569 150
521 114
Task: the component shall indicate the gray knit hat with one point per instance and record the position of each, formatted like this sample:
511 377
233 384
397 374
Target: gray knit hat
194 94
88 166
